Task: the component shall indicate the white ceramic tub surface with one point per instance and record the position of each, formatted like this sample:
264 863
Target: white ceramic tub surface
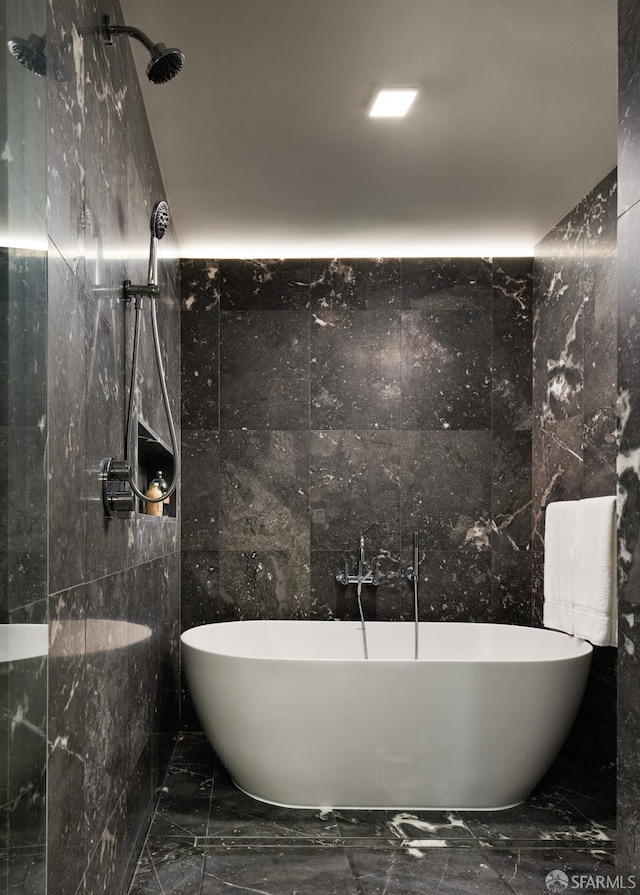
300 719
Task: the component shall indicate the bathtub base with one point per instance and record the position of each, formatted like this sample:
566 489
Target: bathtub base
410 808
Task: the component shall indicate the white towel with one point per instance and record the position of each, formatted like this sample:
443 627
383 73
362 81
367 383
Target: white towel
560 525
594 579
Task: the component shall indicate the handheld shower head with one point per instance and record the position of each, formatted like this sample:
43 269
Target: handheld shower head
159 224
31 52
160 219
165 63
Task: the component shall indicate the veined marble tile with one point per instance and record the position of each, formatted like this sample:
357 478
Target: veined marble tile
446 369
199 313
355 284
264 370
355 486
446 284
355 369
264 284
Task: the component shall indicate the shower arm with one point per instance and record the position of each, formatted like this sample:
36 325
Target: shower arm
110 30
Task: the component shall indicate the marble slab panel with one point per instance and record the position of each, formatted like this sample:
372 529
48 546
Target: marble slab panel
355 369
147 651
66 835
67 425
511 583
315 873
200 455
598 217
557 468
185 802
168 867
200 588
558 345
526 870
108 697
599 452
446 369
26 711
363 284
199 311
264 369
547 816
456 586
511 491
140 800
66 111
264 284
512 343
447 871
264 502
596 755
537 584
446 284
23 366
355 486
264 584
26 496
628 736
109 860
599 285
628 404
446 488
628 104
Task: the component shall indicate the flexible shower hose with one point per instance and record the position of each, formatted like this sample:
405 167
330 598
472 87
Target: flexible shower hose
165 400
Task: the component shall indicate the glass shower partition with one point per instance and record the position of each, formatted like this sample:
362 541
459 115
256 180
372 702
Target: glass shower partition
23 440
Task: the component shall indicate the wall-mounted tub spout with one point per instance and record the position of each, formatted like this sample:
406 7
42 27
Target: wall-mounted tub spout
365 575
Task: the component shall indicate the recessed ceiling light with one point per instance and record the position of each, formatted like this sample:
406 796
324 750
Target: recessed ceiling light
392 102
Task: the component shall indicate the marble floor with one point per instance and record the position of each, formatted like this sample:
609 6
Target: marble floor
208 838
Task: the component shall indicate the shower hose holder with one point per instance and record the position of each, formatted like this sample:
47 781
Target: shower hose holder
117 496
132 291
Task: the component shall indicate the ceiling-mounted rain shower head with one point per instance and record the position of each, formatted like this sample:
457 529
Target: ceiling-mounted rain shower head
165 62
31 52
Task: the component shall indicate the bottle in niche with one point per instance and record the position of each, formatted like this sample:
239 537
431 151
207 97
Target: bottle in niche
157 487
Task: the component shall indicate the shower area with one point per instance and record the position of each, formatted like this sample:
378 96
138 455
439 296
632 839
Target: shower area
23 485
87 730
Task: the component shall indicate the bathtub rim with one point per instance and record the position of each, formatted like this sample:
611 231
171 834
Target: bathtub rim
580 648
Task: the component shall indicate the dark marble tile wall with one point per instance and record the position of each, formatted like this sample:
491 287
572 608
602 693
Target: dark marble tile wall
629 437
23 438
574 432
325 398
114 585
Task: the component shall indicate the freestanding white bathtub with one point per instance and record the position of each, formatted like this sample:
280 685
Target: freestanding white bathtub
300 719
